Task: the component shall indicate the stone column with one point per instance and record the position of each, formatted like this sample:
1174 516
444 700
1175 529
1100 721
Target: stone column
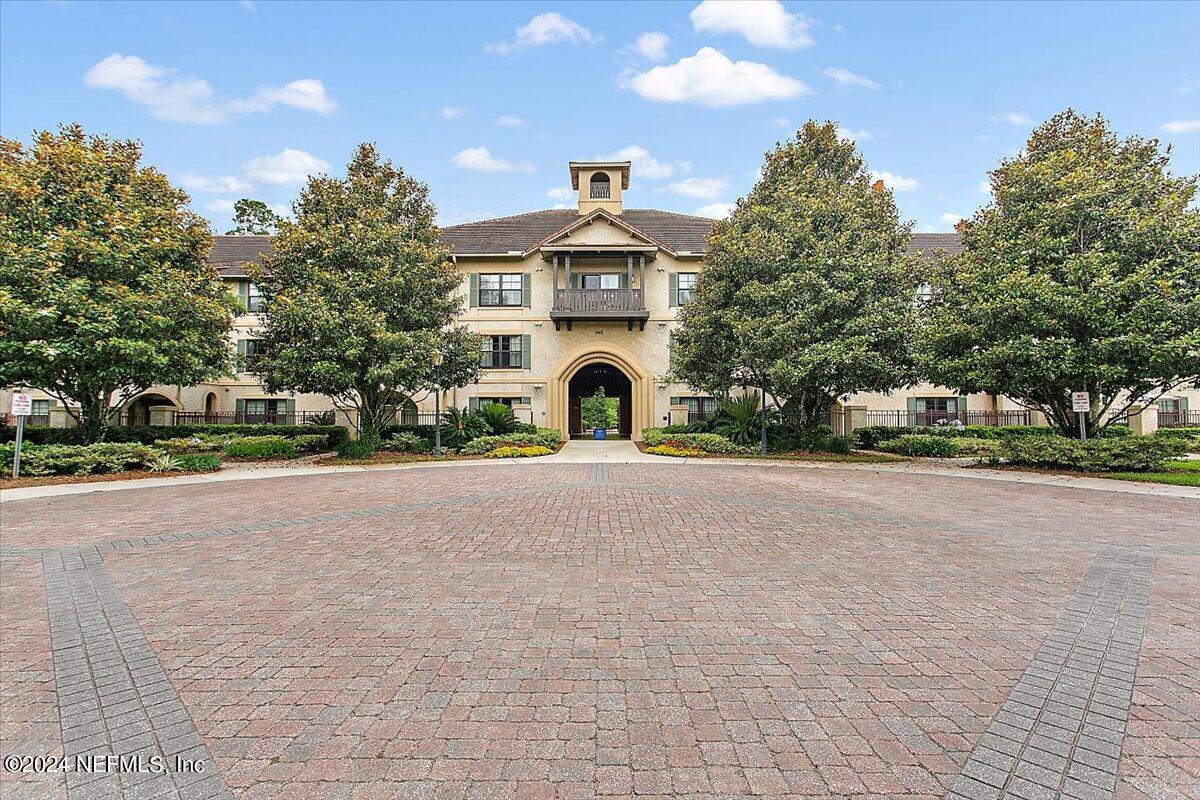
161 416
854 417
1143 420
678 415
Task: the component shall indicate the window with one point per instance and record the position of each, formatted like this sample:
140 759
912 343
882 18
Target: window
1168 404
924 293
687 287
699 406
598 188
41 408
500 290
942 404
253 298
608 281
501 352
248 351
265 410
504 401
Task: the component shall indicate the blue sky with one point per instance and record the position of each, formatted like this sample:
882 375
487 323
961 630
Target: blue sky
487 102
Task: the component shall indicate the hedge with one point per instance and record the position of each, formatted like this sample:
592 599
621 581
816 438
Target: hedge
707 442
870 436
545 437
518 451
1126 454
94 459
335 434
261 447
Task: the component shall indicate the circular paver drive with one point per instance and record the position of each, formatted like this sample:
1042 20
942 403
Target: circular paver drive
571 630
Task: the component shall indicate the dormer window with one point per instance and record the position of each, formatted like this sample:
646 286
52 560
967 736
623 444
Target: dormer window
598 188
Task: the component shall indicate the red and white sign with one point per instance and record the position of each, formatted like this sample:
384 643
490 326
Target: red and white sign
22 405
1081 401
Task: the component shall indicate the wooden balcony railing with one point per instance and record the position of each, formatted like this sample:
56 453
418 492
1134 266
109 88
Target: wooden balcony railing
599 301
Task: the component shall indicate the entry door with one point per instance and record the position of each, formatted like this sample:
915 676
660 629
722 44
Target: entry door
625 416
576 421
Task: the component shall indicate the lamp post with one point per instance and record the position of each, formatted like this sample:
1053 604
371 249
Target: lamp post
436 360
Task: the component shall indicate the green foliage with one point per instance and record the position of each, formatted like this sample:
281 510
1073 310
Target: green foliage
675 450
203 443
1133 453
253 217
1080 275
708 442
1189 436
406 442
261 447
598 411
201 462
818 439
328 417
739 419
310 443
335 434
543 437
357 448
498 417
165 463
360 294
807 290
460 426
93 459
870 436
921 445
106 284
519 451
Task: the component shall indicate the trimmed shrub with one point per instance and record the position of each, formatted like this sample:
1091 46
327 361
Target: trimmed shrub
1189 436
690 428
406 442
201 462
260 447
71 459
1126 454
675 451
521 451
545 437
335 434
706 442
314 443
204 443
917 444
356 448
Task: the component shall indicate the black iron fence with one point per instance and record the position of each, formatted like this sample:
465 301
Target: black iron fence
243 418
1178 419
922 419
31 420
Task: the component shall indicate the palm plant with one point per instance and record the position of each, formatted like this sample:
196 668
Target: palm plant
460 426
498 417
739 420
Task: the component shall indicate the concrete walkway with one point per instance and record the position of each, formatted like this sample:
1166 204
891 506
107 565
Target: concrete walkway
608 451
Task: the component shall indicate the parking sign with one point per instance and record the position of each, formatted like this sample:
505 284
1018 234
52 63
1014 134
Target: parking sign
1081 401
22 405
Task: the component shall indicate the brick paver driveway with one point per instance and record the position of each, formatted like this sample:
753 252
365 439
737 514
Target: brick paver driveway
578 630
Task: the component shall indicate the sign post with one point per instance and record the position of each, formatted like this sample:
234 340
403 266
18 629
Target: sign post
1081 404
22 406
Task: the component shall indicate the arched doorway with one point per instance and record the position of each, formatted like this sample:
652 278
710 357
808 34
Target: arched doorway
616 385
210 407
137 410
641 385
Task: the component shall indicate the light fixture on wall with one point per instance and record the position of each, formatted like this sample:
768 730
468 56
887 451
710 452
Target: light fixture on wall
662 324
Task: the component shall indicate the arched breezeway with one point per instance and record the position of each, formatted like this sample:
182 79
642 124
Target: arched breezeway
641 385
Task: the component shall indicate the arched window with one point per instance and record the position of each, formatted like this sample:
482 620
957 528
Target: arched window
598 186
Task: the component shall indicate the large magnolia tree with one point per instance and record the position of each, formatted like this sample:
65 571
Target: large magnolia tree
1082 274
807 290
105 287
253 217
359 297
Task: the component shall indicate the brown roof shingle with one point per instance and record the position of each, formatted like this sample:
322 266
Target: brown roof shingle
230 253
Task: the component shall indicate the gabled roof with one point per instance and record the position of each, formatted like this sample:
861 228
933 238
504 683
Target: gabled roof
523 233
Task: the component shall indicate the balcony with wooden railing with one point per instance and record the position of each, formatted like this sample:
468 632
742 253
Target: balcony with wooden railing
615 304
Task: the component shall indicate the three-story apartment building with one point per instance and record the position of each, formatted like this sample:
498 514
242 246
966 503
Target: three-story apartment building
567 301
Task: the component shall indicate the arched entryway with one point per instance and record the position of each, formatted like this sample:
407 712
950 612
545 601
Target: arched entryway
137 410
639 394
587 382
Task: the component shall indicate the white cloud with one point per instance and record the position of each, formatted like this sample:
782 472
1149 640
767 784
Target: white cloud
652 46
714 210
781 122
861 135
185 99
985 187
1182 126
897 183
225 184
951 219
1019 118
764 23
645 165
844 78
710 79
548 28
701 188
452 112
289 168
224 206
480 159
306 94
1187 87
508 121
559 193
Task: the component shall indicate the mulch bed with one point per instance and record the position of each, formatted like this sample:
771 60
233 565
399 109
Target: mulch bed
799 455
52 480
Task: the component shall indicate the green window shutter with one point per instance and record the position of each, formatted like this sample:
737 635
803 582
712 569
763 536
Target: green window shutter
674 284
239 406
526 289
473 403
526 400
670 350
241 355
912 404
474 289
289 406
526 351
674 401
576 280
623 280
244 294
1183 404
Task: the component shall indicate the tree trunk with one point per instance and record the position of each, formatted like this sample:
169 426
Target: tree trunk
93 417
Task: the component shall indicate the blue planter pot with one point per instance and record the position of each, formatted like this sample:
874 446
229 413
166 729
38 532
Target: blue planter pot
600 433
